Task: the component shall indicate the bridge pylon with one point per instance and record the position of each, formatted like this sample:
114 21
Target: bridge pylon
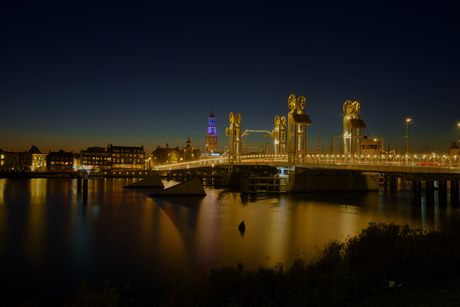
234 138
298 120
352 126
279 135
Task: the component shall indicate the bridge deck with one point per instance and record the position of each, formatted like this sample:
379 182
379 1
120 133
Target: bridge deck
410 164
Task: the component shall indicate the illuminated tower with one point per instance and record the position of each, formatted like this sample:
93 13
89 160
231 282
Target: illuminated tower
234 137
352 126
298 120
211 136
279 134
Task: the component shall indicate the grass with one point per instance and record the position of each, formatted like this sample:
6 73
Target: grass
381 266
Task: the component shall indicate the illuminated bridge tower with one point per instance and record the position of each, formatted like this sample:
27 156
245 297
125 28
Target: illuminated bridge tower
234 137
211 136
298 120
279 135
352 126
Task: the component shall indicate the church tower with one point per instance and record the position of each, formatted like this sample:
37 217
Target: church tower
211 136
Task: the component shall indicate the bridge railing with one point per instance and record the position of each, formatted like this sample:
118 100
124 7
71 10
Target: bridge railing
193 164
426 161
407 160
396 160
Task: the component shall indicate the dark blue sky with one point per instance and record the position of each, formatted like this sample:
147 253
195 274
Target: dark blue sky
76 74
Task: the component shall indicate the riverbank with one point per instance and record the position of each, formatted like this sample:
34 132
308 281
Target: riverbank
383 265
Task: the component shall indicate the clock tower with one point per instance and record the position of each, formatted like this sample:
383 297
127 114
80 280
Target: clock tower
211 136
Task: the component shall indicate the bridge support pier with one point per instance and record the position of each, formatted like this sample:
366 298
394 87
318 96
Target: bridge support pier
429 192
79 182
390 183
416 193
393 183
85 188
442 192
454 193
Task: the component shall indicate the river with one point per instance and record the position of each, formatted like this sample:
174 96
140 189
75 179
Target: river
52 239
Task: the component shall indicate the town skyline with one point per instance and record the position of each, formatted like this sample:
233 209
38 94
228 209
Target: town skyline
89 74
223 142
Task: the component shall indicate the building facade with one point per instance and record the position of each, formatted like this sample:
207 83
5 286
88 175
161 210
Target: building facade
60 161
95 159
127 157
9 161
168 155
454 150
32 160
190 154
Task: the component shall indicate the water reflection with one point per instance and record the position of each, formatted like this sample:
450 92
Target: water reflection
51 235
34 241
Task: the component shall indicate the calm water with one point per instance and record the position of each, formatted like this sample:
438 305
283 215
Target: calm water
51 239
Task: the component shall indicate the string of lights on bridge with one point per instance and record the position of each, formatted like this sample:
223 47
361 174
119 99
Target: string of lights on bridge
432 160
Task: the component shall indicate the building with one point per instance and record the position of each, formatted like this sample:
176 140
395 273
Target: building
32 160
60 161
371 146
212 144
95 159
9 161
127 157
190 154
454 150
168 155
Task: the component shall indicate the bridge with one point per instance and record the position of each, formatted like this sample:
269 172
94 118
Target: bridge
416 164
435 171
361 155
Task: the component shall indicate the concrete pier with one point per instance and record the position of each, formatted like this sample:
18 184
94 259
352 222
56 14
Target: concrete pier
307 180
454 193
390 182
416 193
442 192
429 192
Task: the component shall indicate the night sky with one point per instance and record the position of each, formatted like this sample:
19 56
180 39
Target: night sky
76 74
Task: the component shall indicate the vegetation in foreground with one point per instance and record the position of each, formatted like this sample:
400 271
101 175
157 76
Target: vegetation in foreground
373 266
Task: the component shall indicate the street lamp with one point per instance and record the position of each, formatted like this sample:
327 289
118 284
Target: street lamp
458 125
408 120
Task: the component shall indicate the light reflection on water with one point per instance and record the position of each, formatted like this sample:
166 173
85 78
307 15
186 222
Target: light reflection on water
52 237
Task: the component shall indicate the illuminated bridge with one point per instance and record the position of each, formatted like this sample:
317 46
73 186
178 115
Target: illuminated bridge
422 164
362 159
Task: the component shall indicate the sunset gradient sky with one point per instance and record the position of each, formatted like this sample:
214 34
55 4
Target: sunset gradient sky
76 74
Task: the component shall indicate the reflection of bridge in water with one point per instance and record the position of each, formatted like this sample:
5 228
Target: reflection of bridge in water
360 167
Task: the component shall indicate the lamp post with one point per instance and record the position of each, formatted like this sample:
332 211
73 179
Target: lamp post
408 120
458 125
